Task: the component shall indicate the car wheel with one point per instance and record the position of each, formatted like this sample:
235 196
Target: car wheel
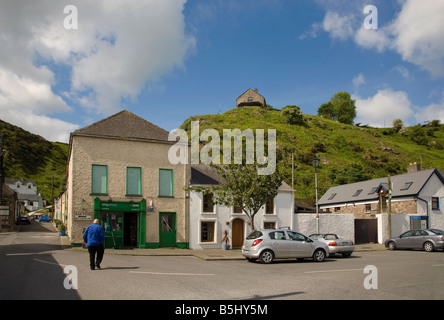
391 245
319 255
266 256
429 247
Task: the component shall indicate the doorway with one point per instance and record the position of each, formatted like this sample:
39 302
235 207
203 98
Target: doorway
238 233
366 231
167 229
130 227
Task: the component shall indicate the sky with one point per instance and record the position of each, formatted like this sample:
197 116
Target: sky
67 64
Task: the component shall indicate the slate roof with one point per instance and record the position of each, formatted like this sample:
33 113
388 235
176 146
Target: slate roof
408 184
125 124
205 175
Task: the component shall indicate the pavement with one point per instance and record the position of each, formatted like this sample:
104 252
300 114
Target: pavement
207 254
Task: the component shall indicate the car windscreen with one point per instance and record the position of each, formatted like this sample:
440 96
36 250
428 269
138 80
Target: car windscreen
254 235
436 231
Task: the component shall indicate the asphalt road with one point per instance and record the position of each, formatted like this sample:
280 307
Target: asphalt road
32 267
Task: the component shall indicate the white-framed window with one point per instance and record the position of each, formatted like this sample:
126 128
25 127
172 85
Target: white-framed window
207 231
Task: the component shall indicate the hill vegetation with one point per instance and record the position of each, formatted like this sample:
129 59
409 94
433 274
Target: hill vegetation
32 157
348 153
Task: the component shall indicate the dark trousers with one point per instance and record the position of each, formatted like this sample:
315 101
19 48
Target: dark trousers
93 250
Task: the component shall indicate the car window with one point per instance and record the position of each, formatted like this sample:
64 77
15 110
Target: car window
254 235
330 237
421 233
315 236
277 235
296 236
407 234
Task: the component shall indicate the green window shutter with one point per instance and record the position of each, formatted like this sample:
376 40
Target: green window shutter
133 181
165 182
99 179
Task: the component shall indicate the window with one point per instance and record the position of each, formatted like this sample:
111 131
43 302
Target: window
337 209
165 182
208 202
207 231
237 208
373 190
99 179
435 203
277 235
269 225
357 193
269 206
368 208
332 196
134 181
407 185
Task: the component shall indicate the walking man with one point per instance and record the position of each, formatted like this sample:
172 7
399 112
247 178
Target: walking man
94 238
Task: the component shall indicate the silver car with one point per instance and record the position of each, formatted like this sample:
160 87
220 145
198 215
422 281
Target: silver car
335 244
267 245
427 239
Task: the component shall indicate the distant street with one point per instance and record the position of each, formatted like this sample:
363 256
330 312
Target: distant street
32 265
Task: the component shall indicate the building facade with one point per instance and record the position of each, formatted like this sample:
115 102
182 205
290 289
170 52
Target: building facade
416 201
209 222
251 98
119 173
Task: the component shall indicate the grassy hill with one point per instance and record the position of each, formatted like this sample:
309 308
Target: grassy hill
32 157
348 153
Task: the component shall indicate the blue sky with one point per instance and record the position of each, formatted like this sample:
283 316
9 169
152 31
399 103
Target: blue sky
169 60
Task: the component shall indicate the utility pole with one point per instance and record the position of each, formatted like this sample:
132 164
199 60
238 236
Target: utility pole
389 212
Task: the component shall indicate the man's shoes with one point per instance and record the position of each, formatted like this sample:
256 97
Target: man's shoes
98 266
92 268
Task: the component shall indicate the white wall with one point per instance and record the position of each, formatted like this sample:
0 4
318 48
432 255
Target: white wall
341 224
283 214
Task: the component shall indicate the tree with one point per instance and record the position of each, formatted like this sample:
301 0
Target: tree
397 125
293 114
341 108
243 187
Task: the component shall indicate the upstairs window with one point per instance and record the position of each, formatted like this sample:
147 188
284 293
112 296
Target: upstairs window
134 181
208 202
332 196
165 182
357 193
269 206
99 179
435 203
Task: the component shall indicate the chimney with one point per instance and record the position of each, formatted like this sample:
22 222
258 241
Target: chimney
413 167
255 90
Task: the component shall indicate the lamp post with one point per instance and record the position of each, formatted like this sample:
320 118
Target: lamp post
315 163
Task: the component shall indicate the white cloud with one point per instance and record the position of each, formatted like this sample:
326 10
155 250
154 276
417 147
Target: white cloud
416 32
358 80
431 112
382 108
120 46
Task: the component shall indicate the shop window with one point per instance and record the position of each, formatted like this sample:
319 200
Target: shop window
435 203
165 182
269 206
207 231
134 181
112 221
208 202
99 179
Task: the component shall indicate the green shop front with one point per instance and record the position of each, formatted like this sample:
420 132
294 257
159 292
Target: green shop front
124 223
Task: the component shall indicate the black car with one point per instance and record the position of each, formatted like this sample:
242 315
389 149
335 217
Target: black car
24 219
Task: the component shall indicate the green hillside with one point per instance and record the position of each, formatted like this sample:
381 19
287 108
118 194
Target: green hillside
348 153
30 156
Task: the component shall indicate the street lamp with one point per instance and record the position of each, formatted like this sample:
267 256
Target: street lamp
315 163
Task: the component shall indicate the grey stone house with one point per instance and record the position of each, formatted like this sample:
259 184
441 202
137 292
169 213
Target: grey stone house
251 98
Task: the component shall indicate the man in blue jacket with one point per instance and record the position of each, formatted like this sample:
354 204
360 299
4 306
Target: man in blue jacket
94 238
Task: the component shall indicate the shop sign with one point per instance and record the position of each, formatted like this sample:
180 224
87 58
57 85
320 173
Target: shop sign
83 216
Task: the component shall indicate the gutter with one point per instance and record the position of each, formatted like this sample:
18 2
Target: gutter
427 204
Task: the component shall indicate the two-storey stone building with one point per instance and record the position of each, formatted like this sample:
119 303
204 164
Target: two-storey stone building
118 172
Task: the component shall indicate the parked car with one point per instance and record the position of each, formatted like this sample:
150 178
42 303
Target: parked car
427 239
44 217
267 245
24 219
335 244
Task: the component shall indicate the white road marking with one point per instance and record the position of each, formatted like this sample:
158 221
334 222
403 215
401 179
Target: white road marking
339 270
174 274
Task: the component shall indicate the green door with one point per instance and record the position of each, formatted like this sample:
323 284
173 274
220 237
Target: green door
167 229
